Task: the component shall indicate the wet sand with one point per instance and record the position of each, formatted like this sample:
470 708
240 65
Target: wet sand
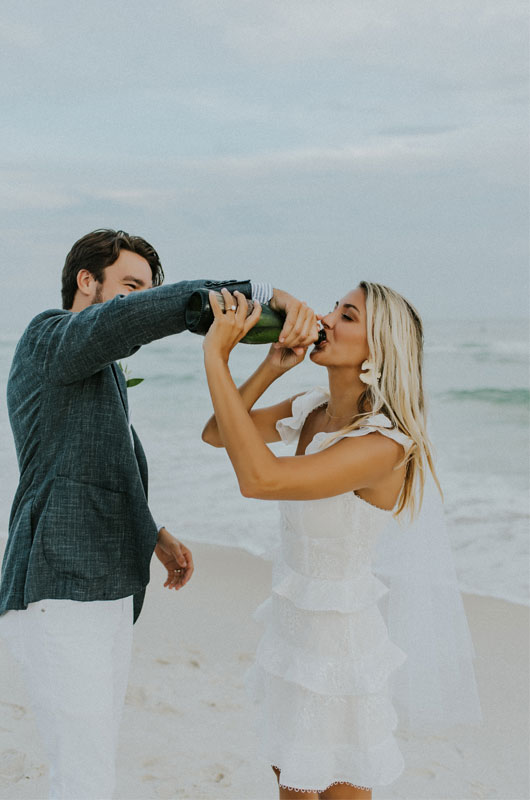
187 729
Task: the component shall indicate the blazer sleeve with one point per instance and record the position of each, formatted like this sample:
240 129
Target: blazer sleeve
76 345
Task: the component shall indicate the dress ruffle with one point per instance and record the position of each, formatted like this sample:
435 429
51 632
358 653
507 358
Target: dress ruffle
336 674
377 766
353 721
335 739
289 428
317 594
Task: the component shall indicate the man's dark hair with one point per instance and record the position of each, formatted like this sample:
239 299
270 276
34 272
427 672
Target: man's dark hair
100 249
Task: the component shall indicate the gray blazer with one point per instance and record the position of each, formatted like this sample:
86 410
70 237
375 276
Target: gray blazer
80 526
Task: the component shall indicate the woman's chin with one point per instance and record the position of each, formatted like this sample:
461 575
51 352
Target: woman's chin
316 355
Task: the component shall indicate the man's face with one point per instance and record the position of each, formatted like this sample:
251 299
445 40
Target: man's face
129 273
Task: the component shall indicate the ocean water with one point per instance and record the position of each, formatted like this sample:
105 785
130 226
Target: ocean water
477 382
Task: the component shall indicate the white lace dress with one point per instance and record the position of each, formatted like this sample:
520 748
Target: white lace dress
320 679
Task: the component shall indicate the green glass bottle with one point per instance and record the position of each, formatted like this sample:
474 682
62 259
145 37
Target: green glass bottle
199 317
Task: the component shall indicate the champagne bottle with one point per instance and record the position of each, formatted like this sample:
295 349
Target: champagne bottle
199 317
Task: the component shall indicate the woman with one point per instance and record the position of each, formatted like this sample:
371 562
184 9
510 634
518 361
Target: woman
322 670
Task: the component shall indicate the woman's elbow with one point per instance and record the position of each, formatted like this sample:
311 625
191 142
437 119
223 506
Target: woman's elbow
209 438
246 489
258 490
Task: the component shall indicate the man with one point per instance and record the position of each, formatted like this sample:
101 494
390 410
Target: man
81 534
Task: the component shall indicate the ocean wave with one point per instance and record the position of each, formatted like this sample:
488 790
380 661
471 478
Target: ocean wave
515 397
514 348
509 352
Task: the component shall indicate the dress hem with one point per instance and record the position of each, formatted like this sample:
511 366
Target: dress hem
323 789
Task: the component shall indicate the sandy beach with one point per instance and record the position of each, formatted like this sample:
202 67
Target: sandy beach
187 729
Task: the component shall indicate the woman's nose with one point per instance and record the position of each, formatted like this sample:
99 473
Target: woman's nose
327 320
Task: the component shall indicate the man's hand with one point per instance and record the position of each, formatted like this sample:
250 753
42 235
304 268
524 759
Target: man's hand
176 558
300 327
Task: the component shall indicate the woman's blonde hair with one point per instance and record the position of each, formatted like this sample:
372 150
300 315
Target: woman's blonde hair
395 342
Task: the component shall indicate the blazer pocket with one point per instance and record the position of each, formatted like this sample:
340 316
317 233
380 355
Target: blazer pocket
83 528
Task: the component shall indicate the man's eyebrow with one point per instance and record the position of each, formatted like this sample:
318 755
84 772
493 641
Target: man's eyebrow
132 279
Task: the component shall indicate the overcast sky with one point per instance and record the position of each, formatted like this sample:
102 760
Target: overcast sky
310 143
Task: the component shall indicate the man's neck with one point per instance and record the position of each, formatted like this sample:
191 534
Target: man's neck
80 302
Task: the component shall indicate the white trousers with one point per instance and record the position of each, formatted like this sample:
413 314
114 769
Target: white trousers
75 660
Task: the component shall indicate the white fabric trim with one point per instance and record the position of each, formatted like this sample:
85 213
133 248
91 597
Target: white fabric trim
261 291
290 427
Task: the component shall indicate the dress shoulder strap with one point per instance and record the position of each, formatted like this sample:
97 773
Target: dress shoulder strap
379 423
289 428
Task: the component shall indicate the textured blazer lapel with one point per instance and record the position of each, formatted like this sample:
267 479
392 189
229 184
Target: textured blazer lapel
122 386
137 446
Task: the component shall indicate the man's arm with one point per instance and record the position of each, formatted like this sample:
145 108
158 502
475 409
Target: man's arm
77 345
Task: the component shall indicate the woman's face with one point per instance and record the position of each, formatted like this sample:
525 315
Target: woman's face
346 344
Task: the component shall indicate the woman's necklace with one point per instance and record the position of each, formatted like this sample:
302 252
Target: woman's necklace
331 416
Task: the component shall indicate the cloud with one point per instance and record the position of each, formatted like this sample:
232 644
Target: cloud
464 40
129 196
149 183
417 130
21 192
303 133
19 35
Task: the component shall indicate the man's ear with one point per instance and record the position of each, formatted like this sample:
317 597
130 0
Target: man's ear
85 282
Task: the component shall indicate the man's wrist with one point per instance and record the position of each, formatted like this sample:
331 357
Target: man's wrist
279 299
261 291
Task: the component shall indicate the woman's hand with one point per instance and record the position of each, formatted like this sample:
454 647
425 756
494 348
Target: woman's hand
283 359
300 327
231 325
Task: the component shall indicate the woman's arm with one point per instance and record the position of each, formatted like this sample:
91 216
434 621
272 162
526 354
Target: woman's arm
263 418
348 465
